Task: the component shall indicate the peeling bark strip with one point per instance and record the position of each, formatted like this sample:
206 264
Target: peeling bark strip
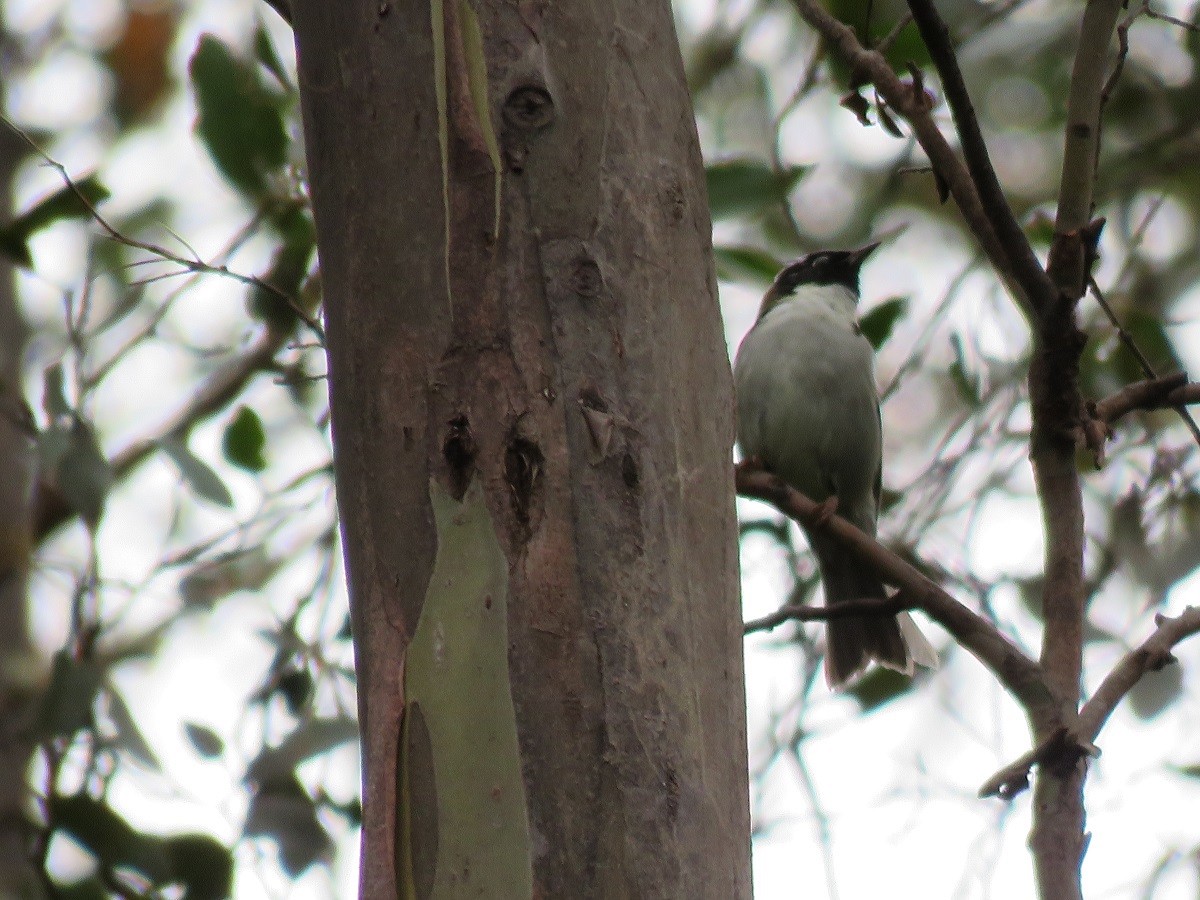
529 382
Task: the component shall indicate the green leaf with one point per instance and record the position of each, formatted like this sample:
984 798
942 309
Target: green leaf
284 811
244 441
200 477
907 47
112 840
68 705
240 121
206 741
968 385
54 394
202 864
742 186
1150 335
52 445
66 203
241 570
879 686
877 324
264 51
129 736
746 264
276 765
289 267
1155 691
84 475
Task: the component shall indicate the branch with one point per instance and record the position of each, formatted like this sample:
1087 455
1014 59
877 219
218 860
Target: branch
1059 749
1022 261
914 106
1019 674
1168 392
221 388
1131 345
1082 140
868 606
194 264
1152 655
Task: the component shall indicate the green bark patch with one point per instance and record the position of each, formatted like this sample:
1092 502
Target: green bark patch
462 823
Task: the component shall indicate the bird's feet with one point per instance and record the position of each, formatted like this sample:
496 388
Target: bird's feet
751 464
824 511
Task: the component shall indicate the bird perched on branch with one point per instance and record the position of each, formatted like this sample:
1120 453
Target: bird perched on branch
808 409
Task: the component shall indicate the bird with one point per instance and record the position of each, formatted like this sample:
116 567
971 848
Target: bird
808 411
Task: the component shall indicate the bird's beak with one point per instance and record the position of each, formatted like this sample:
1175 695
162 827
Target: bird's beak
859 256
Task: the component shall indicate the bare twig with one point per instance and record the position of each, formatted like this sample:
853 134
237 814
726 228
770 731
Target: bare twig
191 265
1168 392
1152 655
1122 54
1147 369
807 81
1163 17
1059 749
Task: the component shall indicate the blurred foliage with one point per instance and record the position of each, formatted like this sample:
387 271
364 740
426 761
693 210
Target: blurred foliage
236 527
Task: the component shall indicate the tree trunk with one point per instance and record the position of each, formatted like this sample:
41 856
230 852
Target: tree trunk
532 422
19 662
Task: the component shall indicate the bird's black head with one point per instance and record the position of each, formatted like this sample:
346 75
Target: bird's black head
823 267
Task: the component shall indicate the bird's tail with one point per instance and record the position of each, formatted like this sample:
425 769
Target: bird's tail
854 642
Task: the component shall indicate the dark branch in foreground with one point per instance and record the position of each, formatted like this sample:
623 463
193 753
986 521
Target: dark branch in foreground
1061 749
1065 746
1022 260
1020 675
1169 392
868 606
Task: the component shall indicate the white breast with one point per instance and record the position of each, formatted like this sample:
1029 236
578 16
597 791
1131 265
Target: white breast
807 402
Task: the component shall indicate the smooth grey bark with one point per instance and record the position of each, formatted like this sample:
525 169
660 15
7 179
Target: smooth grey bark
561 353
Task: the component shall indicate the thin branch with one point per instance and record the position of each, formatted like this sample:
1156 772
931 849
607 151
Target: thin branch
191 265
1114 77
1152 655
218 391
1168 392
807 81
916 108
1131 345
868 606
1020 675
1060 748
1023 263
1163 17
1081 144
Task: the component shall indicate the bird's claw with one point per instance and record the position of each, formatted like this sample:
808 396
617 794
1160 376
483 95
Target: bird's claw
824 511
